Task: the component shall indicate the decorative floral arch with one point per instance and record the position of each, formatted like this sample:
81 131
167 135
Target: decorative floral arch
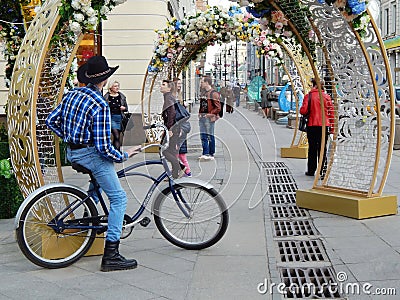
336 37
338 34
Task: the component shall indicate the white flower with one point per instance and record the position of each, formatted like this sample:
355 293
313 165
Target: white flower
90 12
86 2
79 17
92 20
104 10
75 27
75 4
118 2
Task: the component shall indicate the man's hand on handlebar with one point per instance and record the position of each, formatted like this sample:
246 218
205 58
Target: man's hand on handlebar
133 150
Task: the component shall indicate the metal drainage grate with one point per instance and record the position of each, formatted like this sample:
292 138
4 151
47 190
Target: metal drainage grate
277 172
282 188
281 179
309 283
294 228
274 164
288 212
277 199
302 251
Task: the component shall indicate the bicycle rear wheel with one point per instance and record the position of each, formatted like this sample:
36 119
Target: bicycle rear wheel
40 243
208 216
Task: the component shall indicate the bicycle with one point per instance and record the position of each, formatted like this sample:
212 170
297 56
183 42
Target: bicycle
58 223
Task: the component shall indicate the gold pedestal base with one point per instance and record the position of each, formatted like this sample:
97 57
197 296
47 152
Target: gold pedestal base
356 207
295 152
155 149
53 247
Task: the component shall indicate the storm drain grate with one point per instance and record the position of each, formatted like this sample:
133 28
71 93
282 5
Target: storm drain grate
274 164
281 179
277 172
286 212
282 188
302 251
278 199
294 228
309 283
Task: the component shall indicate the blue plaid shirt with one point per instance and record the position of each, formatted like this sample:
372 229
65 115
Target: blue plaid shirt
83 117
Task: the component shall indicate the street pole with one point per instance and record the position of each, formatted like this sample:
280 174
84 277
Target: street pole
220 65
225 66
236 60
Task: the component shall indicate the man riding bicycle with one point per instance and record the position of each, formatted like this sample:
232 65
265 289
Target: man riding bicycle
83 121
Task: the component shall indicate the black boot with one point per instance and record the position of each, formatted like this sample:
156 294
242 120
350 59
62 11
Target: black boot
113 261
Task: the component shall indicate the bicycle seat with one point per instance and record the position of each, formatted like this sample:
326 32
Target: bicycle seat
79 168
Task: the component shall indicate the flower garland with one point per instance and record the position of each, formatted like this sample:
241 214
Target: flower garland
214 25
81 15
354 12
276 24
85 15
274 31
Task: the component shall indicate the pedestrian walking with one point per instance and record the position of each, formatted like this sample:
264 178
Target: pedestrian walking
168 90
229 99
184 131
236 93
208 115
265 101
83 121
222 99
118 107
315 126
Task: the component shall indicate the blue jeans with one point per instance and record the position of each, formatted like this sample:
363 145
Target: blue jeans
104 172
237 98
207 136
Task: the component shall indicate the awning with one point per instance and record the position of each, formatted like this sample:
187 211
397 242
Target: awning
392 42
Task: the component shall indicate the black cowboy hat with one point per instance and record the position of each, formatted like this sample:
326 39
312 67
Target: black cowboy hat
95 70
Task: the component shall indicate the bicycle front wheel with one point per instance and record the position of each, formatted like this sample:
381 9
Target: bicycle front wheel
207 219
40 243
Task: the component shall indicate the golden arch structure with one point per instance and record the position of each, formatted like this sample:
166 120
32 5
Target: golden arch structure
364 134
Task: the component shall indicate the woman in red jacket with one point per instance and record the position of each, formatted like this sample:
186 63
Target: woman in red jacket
314 126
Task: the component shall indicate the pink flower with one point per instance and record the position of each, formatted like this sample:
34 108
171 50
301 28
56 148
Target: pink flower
311 34
170 55
278 16
287 33
262 38
259 43
279 25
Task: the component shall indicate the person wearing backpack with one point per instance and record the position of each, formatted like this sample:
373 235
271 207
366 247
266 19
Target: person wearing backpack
184 131
168 114
210 107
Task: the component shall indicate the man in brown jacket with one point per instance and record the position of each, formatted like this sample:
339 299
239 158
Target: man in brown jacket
210 107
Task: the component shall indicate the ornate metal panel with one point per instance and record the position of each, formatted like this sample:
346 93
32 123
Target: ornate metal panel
37 85
363 133
301 74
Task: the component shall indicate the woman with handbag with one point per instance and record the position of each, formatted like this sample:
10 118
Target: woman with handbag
185 128
118 106
314 126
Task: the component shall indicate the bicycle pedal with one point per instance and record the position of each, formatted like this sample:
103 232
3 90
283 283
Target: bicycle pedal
145 221
101 230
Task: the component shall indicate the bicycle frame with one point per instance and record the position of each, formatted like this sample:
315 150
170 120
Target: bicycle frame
58 223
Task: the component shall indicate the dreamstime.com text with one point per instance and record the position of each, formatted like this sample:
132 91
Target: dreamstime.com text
341 287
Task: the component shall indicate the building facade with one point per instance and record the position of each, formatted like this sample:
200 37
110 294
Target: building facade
390 30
